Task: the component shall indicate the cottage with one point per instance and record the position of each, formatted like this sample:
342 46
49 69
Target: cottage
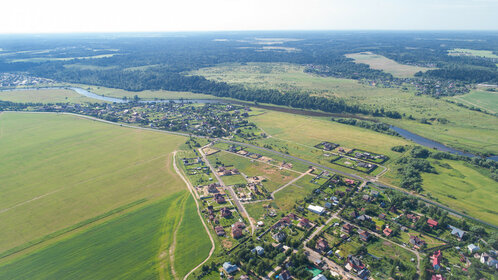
322 245
284 275
328 205
347 228
258 250
316 209
237 233
304 223
219 231
219 198
279 236
417 242
382 216
355 263
432 223
436 259
374 193
364 235
229 268
458 233
473 248
437 277
225 212
387 231
363 274
213 188
366 197
349 181
363 218
319 277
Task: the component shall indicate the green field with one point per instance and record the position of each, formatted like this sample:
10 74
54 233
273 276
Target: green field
385 64
146 94
44 96
60 170
481 99
466 130
464 188
128 247
470 52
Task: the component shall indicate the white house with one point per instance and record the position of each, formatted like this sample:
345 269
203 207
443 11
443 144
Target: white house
319 277
316 209
473 248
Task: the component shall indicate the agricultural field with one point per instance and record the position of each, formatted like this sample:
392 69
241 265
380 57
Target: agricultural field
465 129
482 99
463 188
76 170
44 96
385 64
470 52
133 246
146 94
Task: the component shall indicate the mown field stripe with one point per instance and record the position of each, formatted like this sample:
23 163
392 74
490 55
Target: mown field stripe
58 233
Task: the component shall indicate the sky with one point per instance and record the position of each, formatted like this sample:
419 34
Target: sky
66 16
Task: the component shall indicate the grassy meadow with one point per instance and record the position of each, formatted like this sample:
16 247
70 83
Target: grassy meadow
385 64
60 170
128 247
470 52
464 188
466 130
481 99
44 96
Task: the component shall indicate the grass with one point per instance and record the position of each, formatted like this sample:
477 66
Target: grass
75 169
479 98
146 94
44 96
467 130
385 64
124 248
45 59
192 245
470 52
464 188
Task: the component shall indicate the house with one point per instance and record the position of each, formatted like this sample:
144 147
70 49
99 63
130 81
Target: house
437 277
473 248
219 198
387 231
229 268
292 216
436 259
355 263
349 181
279 236
413 217
328 205
304 223
225 212
258 250
366 197
363 218
417 242
237 233
484 258
213 188
432 223
374 193
284 275
382 216
319 277
364 235
244 277
458 233
219 231
363 274
353 214
322 245
347 228
316 209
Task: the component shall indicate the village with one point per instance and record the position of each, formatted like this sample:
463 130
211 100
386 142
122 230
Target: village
338 228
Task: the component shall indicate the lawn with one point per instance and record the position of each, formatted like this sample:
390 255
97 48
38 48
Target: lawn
480 98
75 169
44 96
470 52
385 64
464 188
128 247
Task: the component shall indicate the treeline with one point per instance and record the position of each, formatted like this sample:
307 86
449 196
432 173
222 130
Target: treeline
375 126
461 73
156 80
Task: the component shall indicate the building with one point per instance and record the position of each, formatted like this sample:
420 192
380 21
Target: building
458 233
219 231
237 233
387 231
417 242
284 275
219 198
364 235
436 259
432 223
322 245
229 268
347 228
319 277
258 250
279 236
316 209
473 248
355 263
304 223
437 277
225 212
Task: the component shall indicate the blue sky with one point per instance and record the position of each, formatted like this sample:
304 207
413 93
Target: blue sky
59 16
